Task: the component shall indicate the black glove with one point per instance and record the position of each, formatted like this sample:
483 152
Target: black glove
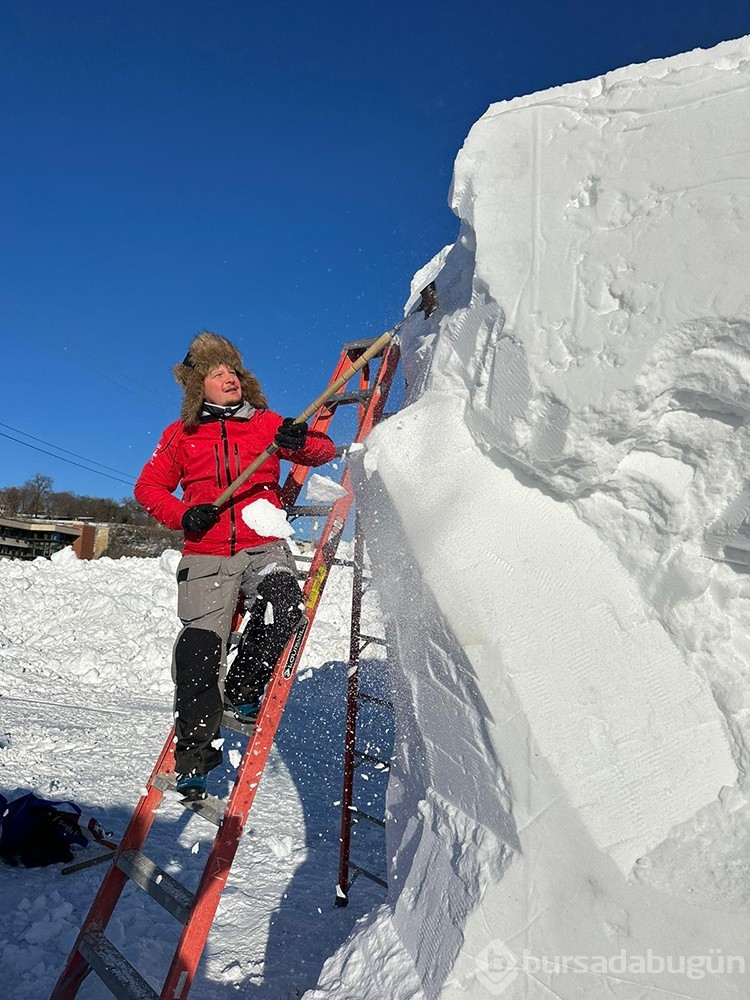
290 436
200 518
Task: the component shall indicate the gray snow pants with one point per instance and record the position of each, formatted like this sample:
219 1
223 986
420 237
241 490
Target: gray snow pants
208 588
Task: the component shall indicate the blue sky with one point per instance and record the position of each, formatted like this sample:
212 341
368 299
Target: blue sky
273 172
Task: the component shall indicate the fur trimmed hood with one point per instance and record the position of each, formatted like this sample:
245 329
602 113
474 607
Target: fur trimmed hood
206 352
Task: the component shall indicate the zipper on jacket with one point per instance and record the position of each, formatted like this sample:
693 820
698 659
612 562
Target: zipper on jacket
218 467
233 532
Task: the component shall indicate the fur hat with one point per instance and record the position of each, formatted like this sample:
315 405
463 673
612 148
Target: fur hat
208 351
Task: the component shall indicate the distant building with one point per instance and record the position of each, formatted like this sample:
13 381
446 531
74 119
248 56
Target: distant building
28 539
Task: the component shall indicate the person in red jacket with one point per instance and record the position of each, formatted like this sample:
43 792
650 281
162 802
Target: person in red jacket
225 424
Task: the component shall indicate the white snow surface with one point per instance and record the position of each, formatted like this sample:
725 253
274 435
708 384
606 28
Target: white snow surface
85 707
573 691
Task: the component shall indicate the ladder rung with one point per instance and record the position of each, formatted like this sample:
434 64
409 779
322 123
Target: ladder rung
367 874
95 859
306 557
230 721
360 345
370 819
735 541
355 396
371 699
370 759
167 891
309 510
210 808
371 638
114 970
735 554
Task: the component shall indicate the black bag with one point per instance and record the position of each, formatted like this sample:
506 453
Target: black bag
34 832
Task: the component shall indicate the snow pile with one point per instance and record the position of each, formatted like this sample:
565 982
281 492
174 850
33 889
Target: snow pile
573 705
104 621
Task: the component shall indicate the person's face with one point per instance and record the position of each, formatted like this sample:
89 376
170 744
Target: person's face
222 386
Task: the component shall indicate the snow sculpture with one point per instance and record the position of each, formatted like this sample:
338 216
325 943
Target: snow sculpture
567 807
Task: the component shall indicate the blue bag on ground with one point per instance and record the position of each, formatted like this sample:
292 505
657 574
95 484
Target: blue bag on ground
34 832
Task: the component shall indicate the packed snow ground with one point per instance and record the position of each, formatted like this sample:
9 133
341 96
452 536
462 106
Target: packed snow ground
85 706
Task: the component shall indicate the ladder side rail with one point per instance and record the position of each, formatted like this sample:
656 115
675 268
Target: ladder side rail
382 385
350 730
350 734
384 381
110 890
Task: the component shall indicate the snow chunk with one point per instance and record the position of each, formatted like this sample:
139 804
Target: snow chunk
267 520
323 489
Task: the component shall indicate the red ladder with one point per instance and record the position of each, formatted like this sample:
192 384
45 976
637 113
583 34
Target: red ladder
93 951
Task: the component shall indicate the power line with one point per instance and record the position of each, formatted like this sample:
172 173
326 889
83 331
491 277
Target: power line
128 482
57 447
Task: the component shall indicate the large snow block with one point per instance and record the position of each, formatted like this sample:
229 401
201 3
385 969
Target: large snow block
631 731
568 808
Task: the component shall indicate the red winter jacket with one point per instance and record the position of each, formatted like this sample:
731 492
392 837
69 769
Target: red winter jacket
204 460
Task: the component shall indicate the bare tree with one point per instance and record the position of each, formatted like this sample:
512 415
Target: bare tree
10 501
35 494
